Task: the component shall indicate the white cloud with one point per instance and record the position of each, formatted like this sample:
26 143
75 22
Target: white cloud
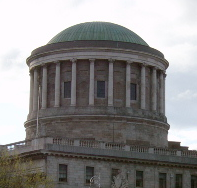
186 95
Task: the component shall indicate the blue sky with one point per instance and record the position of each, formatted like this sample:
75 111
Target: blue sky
169 26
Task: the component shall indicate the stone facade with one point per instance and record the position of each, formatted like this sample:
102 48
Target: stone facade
105 158
97 110
76 172
131 120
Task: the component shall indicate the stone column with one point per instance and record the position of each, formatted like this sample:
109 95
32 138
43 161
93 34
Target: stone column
143 87
128 83
91 86
164 93
57 84
161 92
35 90
154 89
44 87
73 83
110 83
31 91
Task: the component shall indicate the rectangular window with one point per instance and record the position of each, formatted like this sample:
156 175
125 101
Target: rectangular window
101 89
67 89
133 91
89 173
62 173
139 179
114 173
178 183
162 180
193 181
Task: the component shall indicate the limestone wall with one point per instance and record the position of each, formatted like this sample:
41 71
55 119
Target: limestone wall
76 173
106 118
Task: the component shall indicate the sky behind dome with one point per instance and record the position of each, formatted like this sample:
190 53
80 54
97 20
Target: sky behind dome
169 26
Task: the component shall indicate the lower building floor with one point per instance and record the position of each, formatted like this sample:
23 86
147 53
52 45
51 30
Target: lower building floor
85 172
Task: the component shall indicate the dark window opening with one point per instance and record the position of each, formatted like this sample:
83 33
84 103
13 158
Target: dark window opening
139 179
101 89
115 172
178 183
133 91
89 173
162 180
62 173
67 89
193 181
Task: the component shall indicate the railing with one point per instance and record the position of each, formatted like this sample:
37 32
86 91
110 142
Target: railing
61 141
189 154
139 149
114 146
172 152
40 143
16 145
161 151
89 143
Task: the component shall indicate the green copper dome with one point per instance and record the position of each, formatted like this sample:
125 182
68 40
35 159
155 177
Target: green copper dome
98 31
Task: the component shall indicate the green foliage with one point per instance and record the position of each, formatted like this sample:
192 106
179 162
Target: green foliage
18 172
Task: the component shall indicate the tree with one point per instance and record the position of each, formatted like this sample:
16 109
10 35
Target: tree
19 172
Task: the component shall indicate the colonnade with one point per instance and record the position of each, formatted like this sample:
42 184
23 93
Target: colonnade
155 104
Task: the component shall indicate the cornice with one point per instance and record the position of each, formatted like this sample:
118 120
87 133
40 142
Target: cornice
127 52
43 154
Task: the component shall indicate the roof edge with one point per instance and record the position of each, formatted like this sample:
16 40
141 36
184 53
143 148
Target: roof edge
91 43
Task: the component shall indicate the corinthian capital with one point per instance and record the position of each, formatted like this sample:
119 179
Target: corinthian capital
111 60
73 60
92 60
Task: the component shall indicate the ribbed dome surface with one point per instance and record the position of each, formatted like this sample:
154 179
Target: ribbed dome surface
98 31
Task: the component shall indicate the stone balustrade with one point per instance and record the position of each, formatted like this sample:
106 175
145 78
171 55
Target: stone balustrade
40 143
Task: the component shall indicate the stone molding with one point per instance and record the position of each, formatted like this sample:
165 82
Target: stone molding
97 44
104 117
104 151
97 54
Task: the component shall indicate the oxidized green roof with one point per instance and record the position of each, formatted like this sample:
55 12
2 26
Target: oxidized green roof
98 31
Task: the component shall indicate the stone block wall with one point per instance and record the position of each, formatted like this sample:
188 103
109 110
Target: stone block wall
76 172
104 128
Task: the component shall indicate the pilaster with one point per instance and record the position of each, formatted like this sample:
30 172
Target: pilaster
110 83
164 92
73 82
91 86
128 81
44 86
31 91
161 92
35 90
154 89
143 86
57 84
